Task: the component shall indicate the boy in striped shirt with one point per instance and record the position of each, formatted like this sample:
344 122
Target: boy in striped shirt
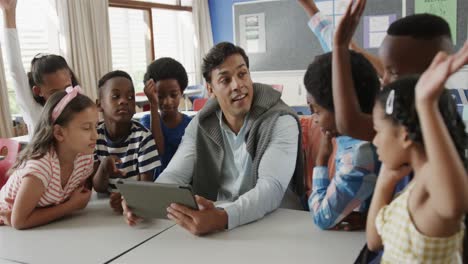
124 145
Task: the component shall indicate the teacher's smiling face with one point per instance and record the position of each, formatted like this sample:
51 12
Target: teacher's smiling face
232 86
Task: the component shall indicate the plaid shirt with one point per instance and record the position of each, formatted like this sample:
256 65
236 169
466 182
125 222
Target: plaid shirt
351 187
323 30
403 242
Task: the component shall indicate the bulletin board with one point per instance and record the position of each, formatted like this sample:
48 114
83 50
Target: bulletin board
278 34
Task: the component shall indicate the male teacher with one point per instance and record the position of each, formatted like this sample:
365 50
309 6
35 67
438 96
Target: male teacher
242 150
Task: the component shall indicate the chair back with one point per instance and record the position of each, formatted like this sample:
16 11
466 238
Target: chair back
9 150
278 87
199 103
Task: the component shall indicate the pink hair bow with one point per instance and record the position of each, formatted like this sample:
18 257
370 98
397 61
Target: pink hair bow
72 92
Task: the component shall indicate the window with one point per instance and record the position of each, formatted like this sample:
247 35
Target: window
142 31
130 43
174 37
186 2
172 2
37 32
167 2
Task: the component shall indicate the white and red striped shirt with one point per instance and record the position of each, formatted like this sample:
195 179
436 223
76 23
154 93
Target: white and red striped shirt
47 169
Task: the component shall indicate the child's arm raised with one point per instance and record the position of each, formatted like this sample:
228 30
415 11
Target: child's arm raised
323 29
24 96
309 7
9 8
350 120
447 182
319 24
25 213
151 92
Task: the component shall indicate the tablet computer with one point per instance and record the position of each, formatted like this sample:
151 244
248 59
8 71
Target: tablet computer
150 199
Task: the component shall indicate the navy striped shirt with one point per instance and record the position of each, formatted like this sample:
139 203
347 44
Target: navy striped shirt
137 152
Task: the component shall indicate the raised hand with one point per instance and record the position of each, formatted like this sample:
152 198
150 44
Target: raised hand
349 22
431 82
9 13
309 7
152 92
461 59
8 4
303 2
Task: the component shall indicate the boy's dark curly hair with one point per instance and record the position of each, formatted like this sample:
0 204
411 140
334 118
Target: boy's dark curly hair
404 112
420 26
167 68
111 75
318 81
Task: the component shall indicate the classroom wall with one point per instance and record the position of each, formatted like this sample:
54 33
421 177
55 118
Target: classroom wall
222 27
221 19
294 91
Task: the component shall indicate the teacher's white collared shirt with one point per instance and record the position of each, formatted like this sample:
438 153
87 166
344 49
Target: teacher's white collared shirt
274 173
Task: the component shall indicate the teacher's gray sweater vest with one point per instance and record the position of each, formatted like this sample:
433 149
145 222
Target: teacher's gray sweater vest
266 108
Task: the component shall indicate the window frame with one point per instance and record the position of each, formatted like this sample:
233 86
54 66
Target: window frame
146 7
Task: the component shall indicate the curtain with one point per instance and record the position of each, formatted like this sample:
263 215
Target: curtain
6 124
203 34
85 40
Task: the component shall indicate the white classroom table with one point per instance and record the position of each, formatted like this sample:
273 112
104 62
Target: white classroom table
9 261
93 235
284 236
